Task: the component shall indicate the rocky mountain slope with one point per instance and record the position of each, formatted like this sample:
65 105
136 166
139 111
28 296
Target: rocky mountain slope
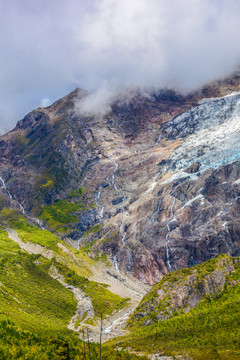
182 290
153 184
193 312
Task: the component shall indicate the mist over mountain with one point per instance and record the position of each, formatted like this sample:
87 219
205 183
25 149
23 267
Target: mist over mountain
140 171
109 46
120 201
99 203
98 206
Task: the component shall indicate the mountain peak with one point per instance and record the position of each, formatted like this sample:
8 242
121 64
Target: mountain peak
151 183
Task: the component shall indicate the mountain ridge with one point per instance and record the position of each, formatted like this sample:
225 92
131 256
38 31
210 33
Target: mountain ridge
93 179
95 208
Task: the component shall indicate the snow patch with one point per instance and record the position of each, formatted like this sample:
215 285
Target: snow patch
200 196
180 175
211 132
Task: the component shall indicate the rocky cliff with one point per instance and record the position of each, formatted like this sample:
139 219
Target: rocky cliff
192 313
182 290
154 183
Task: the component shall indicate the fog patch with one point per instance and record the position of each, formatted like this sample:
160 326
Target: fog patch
107 46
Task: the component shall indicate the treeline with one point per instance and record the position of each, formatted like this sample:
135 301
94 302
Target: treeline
16 343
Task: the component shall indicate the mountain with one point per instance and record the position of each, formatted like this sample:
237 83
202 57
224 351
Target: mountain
95 208
153 184
191 312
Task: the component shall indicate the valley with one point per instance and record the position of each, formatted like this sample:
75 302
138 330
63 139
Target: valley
131 217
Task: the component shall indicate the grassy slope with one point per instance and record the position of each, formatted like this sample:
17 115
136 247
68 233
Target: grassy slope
40 304
74 259
74 265
28 294
35 310
209 331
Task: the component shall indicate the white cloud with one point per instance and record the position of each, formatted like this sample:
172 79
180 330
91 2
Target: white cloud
180 43
97 102
45 102
52 46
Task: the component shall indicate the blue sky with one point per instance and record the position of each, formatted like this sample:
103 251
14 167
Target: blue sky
50 47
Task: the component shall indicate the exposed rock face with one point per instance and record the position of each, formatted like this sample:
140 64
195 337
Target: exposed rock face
160 175
183 290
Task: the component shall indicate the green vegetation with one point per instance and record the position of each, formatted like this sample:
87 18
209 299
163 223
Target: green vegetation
42 149
44 184
103 300
41 307
196 277
28 232
103 258
61 216
7 246
35 308
209 331
61 212
80 262
47 183
28 294
21 140
77 193
17 343
94 229
72 268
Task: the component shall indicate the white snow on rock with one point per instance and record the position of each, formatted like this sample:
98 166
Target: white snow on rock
211 134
